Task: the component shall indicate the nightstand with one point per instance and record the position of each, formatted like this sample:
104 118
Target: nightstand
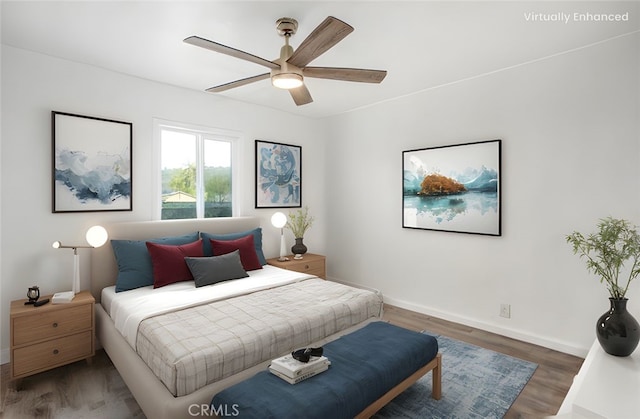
51 335
310 264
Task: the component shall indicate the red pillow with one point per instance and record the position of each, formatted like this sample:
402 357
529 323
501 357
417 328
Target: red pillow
168 262
248 255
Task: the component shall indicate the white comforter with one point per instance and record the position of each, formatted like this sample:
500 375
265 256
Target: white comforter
128 309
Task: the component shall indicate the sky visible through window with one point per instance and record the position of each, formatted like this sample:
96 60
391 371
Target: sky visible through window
179 150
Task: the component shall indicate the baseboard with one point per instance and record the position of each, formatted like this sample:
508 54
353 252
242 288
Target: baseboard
500 330
511 333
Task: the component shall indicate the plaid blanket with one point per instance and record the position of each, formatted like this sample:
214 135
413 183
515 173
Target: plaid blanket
190 348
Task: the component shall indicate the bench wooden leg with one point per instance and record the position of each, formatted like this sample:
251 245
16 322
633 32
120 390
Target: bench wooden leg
436 376
435 366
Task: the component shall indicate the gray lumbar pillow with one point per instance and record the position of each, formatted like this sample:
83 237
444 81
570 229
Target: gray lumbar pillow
210 270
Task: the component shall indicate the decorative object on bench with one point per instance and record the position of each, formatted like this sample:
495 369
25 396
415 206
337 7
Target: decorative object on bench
305 355
606 252
358 383
300 374
300 365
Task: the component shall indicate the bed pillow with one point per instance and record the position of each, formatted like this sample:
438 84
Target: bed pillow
245 245
168 262
257 241
135 268
214 269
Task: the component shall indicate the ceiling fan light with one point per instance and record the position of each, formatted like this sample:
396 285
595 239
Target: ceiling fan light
286 80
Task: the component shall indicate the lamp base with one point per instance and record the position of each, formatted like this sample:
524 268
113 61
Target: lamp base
76 273
283 259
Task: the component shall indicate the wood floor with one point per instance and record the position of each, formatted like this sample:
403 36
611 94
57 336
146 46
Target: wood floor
95 390
545 391
75 391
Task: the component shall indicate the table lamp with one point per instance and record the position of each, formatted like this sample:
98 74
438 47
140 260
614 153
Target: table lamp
279 220
96 237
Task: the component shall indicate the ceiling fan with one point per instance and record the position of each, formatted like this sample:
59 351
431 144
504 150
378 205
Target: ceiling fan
289 70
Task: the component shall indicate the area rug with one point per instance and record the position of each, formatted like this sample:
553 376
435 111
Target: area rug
476 383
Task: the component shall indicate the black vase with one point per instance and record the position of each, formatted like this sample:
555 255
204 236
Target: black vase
617 330
299 248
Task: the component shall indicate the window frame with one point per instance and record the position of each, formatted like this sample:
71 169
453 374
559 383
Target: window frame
234 138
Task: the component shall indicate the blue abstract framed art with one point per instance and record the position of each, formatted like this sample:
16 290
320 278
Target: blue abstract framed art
91 165
278 175
453 188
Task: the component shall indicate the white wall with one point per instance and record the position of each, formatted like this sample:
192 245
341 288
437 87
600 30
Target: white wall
571 135
33 85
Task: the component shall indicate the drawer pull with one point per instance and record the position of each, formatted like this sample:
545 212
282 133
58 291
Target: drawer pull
306 266
56 352
55 325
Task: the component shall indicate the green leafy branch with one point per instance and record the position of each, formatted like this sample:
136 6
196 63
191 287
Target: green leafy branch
607 251
299 222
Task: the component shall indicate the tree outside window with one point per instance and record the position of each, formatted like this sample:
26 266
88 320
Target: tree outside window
196 174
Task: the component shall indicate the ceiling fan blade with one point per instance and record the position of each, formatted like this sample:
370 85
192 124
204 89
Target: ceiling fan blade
238 83
327 34
223 49
346 74
301 95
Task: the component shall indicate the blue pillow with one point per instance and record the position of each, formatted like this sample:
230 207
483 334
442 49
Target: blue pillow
257 241
135 268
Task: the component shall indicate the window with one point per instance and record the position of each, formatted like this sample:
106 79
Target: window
196 171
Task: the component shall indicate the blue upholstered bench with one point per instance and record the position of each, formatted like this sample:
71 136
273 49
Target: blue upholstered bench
369 367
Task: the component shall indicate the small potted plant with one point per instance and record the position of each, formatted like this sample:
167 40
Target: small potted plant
299 222
606 252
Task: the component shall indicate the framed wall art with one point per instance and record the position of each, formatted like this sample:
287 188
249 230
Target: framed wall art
278 175
91 163
453 188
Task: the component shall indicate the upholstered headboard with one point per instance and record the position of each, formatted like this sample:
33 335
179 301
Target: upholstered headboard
103 263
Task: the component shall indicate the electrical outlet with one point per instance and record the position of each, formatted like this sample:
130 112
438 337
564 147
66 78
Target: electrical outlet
505 311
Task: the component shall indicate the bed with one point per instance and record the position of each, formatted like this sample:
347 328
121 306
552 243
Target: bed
153 336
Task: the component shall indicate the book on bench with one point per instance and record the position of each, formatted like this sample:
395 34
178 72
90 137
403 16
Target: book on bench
301 377
293 369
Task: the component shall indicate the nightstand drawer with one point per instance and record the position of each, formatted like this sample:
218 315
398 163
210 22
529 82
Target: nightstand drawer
51 323
314 267
52 353
311 264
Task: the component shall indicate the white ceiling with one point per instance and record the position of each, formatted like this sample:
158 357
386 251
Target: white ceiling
422 44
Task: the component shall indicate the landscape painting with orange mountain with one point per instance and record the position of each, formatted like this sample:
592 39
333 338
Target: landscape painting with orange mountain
435 185
453 188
